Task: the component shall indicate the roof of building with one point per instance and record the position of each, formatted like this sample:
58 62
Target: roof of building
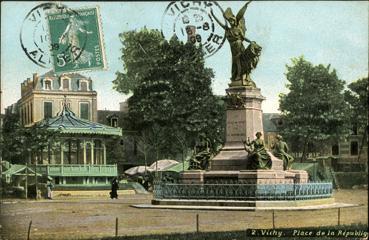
268 123
67 122
51 73
16 169
104 116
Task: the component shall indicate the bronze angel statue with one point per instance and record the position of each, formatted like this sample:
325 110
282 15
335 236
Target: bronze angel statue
243 60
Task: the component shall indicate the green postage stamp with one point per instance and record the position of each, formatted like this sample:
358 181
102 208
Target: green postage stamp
76 40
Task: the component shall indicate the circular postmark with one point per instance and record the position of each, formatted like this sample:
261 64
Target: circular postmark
192 21
35 35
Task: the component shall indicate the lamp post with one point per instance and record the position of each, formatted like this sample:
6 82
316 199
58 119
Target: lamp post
26 182
36 179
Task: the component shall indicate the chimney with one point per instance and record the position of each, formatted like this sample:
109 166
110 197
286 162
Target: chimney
90 84
35 76
22 88
35 79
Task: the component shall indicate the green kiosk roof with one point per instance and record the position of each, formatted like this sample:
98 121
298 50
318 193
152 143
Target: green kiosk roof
67 122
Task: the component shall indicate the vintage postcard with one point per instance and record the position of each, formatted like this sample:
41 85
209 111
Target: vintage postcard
184 120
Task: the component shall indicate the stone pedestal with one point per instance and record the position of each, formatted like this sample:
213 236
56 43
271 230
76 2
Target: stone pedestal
273 177
244 120
192 176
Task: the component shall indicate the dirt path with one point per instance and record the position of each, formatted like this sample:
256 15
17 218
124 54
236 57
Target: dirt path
94 218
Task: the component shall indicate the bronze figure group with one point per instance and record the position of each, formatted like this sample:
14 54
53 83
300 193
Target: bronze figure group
244 60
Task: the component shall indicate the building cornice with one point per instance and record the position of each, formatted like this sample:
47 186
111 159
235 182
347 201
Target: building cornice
62 93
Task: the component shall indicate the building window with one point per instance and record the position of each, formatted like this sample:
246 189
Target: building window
114 122
84 112
83 86
354 148
65 84
47 84
335 150
48 110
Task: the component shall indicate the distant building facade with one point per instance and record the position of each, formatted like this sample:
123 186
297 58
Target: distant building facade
42 97
271 124
351 154
126 153
123 107
67 104
111 118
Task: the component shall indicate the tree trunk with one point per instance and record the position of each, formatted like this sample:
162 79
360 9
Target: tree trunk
183 148
36 188
304 149
156 162
361 148
26 182
145 158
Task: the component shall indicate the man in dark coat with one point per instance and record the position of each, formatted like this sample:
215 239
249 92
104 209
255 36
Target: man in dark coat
114 189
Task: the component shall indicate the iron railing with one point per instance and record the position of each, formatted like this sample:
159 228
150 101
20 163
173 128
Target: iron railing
303 191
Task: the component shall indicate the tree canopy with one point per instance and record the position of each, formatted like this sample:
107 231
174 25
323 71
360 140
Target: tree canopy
19 143
314 108
172 100
357 98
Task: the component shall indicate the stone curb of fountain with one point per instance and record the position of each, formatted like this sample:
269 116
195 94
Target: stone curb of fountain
228 208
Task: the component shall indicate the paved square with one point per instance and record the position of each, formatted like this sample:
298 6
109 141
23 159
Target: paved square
94 218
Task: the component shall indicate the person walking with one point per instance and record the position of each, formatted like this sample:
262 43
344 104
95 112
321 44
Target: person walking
114 189
49 186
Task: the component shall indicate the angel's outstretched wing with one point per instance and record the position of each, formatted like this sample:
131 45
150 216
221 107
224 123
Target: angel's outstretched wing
242 25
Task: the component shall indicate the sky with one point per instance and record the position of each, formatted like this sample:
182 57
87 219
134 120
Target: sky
324 32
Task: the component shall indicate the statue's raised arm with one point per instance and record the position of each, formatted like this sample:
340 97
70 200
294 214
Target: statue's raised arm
242 11
244 60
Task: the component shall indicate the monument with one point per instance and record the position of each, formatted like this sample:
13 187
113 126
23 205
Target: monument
244 118
244 169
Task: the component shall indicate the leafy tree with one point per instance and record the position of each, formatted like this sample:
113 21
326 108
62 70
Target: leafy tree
314 110
21 144
12 138
357 98
114 150
38 139
172 99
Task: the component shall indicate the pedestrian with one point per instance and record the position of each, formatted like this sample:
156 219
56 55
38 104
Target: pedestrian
114 189
50 187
